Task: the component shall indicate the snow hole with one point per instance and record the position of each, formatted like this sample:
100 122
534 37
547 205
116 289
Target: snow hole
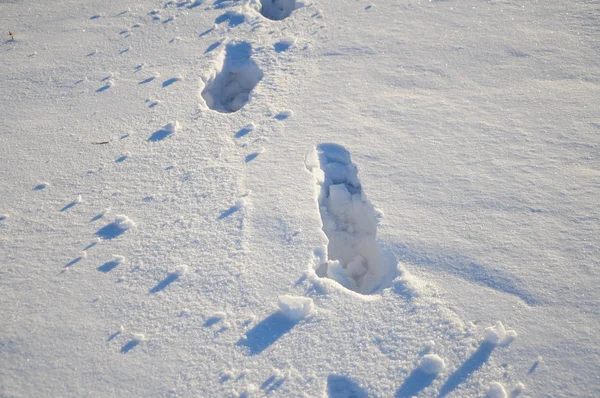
228 89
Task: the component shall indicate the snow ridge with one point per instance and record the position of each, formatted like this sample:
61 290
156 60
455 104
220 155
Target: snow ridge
354 259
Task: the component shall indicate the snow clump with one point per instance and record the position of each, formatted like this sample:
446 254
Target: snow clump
432 364
496 391
498 336
294 307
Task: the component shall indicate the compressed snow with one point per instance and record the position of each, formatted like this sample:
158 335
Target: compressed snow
496 390
123 222
294 307
180 270
498 336
432 364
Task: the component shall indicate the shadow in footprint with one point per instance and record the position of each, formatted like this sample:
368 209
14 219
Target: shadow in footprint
415 383
130 345
474 362
164 283
265 333
343 387
108 266
74 261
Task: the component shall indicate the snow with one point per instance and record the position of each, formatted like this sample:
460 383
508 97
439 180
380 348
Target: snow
412 181
496 390
498 336
295 308
432 364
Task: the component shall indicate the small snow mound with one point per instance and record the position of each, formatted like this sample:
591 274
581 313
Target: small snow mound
172 127
432 364
496 391
497 335
119 259
138 337
123 222
180 270
294 307
77 199
519 388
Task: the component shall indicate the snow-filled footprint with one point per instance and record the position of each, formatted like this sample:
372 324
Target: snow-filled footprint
354 259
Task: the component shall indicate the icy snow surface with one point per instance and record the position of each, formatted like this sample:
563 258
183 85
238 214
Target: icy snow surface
288 198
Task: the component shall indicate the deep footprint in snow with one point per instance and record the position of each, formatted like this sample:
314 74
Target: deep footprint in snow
354 259
277 9
228 88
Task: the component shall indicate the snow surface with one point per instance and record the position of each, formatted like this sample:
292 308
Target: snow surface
427 173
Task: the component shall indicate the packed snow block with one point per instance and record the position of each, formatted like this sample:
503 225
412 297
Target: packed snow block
497 335
277 9
227 88
295 308
354 259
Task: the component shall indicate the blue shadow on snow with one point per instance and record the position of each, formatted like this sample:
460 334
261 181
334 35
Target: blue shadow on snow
164 283
67 207
265 333
108 266
170 81
344 387
232 18
110 231
130 345
282 46
159 135
461 374
415 383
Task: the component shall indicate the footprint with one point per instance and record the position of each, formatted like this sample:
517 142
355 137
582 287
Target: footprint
228 89
354 259
277 10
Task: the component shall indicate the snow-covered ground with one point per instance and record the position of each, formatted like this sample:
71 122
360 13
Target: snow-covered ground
383 198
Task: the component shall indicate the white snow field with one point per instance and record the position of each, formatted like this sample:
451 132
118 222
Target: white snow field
245 198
